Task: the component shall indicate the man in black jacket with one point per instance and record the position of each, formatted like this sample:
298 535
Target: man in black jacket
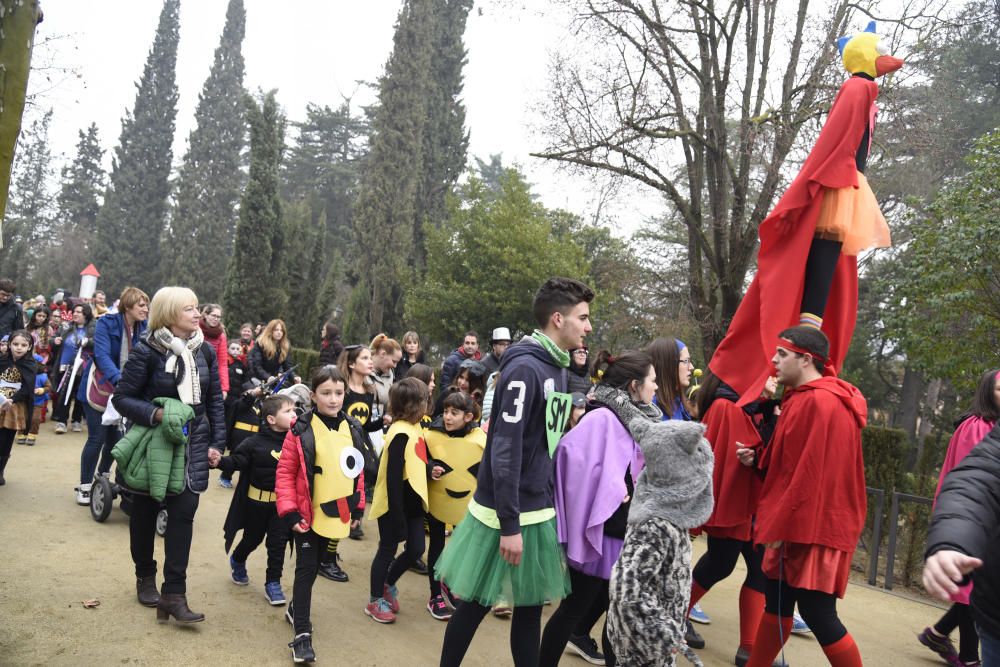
11 315
963 535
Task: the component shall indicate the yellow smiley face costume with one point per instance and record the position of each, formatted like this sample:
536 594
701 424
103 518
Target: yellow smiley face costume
334 493
460 457
414 466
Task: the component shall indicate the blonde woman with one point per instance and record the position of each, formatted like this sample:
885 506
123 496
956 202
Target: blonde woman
270 357
413 354
172 361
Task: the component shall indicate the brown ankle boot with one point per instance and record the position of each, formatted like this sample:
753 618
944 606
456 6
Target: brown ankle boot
175 604
145 590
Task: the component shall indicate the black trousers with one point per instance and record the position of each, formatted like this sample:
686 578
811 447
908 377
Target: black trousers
719 561
960 616
588 594
818 609
176 542
6 441
387 568
524 631
61 410
308 547
261 520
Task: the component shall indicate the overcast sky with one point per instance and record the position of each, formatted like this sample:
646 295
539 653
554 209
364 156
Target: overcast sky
311 51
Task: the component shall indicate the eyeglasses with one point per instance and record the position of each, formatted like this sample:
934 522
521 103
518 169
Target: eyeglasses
686 361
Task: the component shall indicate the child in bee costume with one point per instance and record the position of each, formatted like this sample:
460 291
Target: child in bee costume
455 445
253 509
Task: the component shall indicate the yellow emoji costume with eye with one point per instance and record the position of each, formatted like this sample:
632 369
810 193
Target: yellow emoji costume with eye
460 456
335 493
414 465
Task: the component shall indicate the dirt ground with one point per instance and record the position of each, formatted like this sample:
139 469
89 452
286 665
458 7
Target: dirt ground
53 556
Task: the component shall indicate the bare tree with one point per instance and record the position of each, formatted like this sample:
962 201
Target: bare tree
703 101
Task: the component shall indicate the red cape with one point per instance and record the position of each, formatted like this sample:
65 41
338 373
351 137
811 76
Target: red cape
773 302
814 489
736 487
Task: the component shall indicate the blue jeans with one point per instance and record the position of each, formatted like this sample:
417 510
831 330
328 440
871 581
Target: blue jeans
101 440
989 647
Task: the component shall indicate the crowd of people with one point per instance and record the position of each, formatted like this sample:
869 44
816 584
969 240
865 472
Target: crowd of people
561 477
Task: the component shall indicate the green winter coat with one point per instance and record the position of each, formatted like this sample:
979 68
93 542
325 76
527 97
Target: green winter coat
151 458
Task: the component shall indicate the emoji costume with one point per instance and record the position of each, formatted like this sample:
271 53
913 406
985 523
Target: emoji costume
404 459
807 264
459 453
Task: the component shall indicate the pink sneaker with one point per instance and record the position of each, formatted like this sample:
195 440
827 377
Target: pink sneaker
380 611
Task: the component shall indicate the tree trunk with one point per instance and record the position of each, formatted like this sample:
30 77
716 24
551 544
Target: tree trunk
18 19
909 402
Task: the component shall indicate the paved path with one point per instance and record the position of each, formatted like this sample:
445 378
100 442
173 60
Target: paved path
53 556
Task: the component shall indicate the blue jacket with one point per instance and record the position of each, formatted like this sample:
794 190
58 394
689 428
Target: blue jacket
145 378
515 475
107 346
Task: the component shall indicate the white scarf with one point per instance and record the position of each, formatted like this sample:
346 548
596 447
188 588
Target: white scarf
188 383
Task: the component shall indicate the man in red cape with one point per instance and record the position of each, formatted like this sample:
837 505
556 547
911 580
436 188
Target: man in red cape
807 264
812 506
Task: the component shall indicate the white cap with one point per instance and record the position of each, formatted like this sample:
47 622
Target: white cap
500 333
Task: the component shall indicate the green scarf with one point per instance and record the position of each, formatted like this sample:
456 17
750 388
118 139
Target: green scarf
559 355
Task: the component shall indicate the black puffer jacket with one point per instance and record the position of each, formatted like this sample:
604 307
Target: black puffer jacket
144 378
263 367
967 519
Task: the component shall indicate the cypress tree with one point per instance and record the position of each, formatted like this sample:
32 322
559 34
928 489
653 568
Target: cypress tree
256 282
387 211
30 209
445 139
83 181
303 240
199 241
131 221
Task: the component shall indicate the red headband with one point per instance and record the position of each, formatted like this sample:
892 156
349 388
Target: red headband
789 345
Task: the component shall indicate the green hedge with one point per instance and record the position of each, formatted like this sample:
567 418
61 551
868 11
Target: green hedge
306 360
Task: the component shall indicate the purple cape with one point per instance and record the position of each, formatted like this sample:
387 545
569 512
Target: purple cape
590 465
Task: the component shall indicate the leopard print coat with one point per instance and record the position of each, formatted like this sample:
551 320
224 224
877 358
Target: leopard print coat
650 588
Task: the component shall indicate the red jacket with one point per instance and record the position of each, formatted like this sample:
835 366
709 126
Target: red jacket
293 478
736 487
814 489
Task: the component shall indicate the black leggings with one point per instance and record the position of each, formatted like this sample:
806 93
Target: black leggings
588 594
435 545
719 561
387 568
818 609
6 441
525 628
308 547
960 616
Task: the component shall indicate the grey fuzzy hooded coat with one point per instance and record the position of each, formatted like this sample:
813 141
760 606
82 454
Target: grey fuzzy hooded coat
650 584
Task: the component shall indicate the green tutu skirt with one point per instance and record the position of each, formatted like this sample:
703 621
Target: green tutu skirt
472 568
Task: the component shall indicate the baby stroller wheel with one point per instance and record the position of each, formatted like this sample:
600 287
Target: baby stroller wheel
161 522
101 499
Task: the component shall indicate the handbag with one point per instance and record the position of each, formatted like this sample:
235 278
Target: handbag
99 389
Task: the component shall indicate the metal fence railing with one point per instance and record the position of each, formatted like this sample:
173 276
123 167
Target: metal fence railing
897 498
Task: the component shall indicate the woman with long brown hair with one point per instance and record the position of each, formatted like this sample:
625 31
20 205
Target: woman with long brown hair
270 357
672 361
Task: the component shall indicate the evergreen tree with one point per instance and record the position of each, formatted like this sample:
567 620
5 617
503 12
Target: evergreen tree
445 139
132 218
302 260
30 208
199 241
387 210
83 182
256 283
324 165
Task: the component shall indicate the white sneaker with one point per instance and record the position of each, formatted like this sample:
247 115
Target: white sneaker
60 427
83 494
77 428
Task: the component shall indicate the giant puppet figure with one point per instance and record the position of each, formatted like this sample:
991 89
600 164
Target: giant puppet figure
807 270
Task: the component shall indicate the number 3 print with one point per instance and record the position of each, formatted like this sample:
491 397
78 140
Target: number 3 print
519 386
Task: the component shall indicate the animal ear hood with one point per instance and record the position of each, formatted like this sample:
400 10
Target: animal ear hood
864 53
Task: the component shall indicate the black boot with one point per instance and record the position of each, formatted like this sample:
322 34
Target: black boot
693 639
145 591
175 604
3 464
332 570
